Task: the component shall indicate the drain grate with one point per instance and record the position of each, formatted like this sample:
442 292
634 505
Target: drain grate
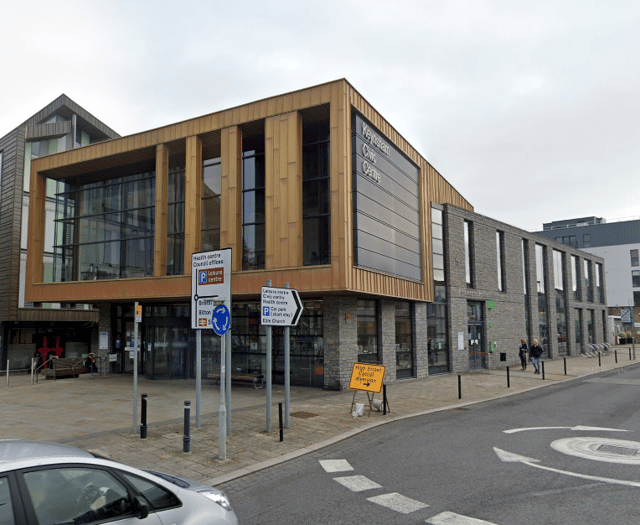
303 415
621 451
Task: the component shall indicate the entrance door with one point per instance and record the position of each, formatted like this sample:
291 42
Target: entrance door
167 352
475 336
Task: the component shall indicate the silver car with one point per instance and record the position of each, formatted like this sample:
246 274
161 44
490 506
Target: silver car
51 484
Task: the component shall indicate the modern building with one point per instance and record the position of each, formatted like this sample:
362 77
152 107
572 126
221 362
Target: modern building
46 326
312 188
618 243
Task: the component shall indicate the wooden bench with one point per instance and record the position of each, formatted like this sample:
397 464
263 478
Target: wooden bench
257 380
65 367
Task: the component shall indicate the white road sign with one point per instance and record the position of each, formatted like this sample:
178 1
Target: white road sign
280 306
210 285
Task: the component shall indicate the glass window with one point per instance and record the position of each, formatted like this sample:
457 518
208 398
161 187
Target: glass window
502 285
6 508
600 284
104 230
575 278
437 245
468 254
588 281
211 189
316 212
253 201
635 278
175 221
158 497
634 258
543 322
76 495
367 331
404 340
558 269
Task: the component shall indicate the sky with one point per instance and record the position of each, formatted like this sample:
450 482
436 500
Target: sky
531 110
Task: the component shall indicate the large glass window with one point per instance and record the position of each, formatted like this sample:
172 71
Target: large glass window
588 281
316 212
600 284
561 303
104 230
543 319
175 221
437 244
575 278
525 284
635 278
367 331
635 261
6 508
211 180
577 323
253 214
437 346
404 340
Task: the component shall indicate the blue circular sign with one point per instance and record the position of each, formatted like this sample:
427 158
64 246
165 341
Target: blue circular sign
221 319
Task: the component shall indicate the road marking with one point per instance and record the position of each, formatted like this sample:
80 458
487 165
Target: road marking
358 483
576 428
614 381
511 457
451 518
335 465
398 502
600 449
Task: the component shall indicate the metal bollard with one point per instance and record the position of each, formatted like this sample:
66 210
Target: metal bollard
280 420
599 360
143 417
629 354
384 400
542 369
508 380
186 440
565 366
615 352
459 387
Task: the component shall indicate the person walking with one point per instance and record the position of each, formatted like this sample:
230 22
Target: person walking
536 351
524 350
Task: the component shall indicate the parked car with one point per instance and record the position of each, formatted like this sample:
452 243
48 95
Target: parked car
49 483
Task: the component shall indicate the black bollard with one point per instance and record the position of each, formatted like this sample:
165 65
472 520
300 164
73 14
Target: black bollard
629 354
459 387
384 400
508 380
143 417
186 441
615 352
599 360
280 417
542 369
565 366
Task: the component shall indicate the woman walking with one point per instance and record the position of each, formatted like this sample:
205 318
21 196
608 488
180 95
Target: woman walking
524 350
536 351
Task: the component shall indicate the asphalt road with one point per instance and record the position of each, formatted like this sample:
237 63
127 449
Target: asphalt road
571 456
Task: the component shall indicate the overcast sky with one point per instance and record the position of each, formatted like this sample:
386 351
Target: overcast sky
530 110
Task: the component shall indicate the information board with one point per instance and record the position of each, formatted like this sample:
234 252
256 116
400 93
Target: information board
210 285
366 377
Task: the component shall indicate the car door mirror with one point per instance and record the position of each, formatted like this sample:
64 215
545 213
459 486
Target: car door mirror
142 508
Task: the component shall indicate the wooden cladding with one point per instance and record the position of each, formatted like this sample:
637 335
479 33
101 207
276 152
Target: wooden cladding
283 129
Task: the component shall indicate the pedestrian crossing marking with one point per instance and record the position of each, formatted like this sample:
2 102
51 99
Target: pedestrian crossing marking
398 502
357 483
335 465
451 518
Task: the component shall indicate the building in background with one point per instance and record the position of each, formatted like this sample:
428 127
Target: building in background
618 243
312 188
44 326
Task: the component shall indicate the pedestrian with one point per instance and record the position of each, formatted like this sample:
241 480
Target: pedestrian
524 350
90 363
536 351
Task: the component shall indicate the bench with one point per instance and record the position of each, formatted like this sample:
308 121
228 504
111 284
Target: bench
257 380
65 367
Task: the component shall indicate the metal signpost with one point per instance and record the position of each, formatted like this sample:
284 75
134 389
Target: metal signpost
221 322
279 307
210 287
136 350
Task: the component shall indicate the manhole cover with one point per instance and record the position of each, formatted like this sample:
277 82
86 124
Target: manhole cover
303 415
622 451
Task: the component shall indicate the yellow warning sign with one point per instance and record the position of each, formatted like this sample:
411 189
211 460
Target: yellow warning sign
368 378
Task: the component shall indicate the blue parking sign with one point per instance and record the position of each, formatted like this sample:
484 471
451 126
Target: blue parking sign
265 311
203 277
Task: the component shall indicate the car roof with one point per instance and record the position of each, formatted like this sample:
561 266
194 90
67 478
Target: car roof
12 450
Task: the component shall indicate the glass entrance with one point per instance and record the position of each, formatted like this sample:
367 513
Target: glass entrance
475 336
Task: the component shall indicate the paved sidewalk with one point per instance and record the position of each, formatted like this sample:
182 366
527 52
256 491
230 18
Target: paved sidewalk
96 413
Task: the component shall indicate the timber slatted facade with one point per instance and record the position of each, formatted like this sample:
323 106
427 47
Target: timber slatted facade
283 147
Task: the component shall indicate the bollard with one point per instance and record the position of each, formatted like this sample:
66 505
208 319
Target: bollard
599 360
384 400
629 354
280 419
565 366
542 369
508 380
615 352
143 417
459 387
186 441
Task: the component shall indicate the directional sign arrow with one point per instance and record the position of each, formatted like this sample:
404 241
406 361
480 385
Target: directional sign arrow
578 427
510 457
280 306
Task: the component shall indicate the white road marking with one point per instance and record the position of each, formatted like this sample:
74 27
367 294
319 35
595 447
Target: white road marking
451 518
358 483
576 428
511 457
600 449
335 465
398 502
